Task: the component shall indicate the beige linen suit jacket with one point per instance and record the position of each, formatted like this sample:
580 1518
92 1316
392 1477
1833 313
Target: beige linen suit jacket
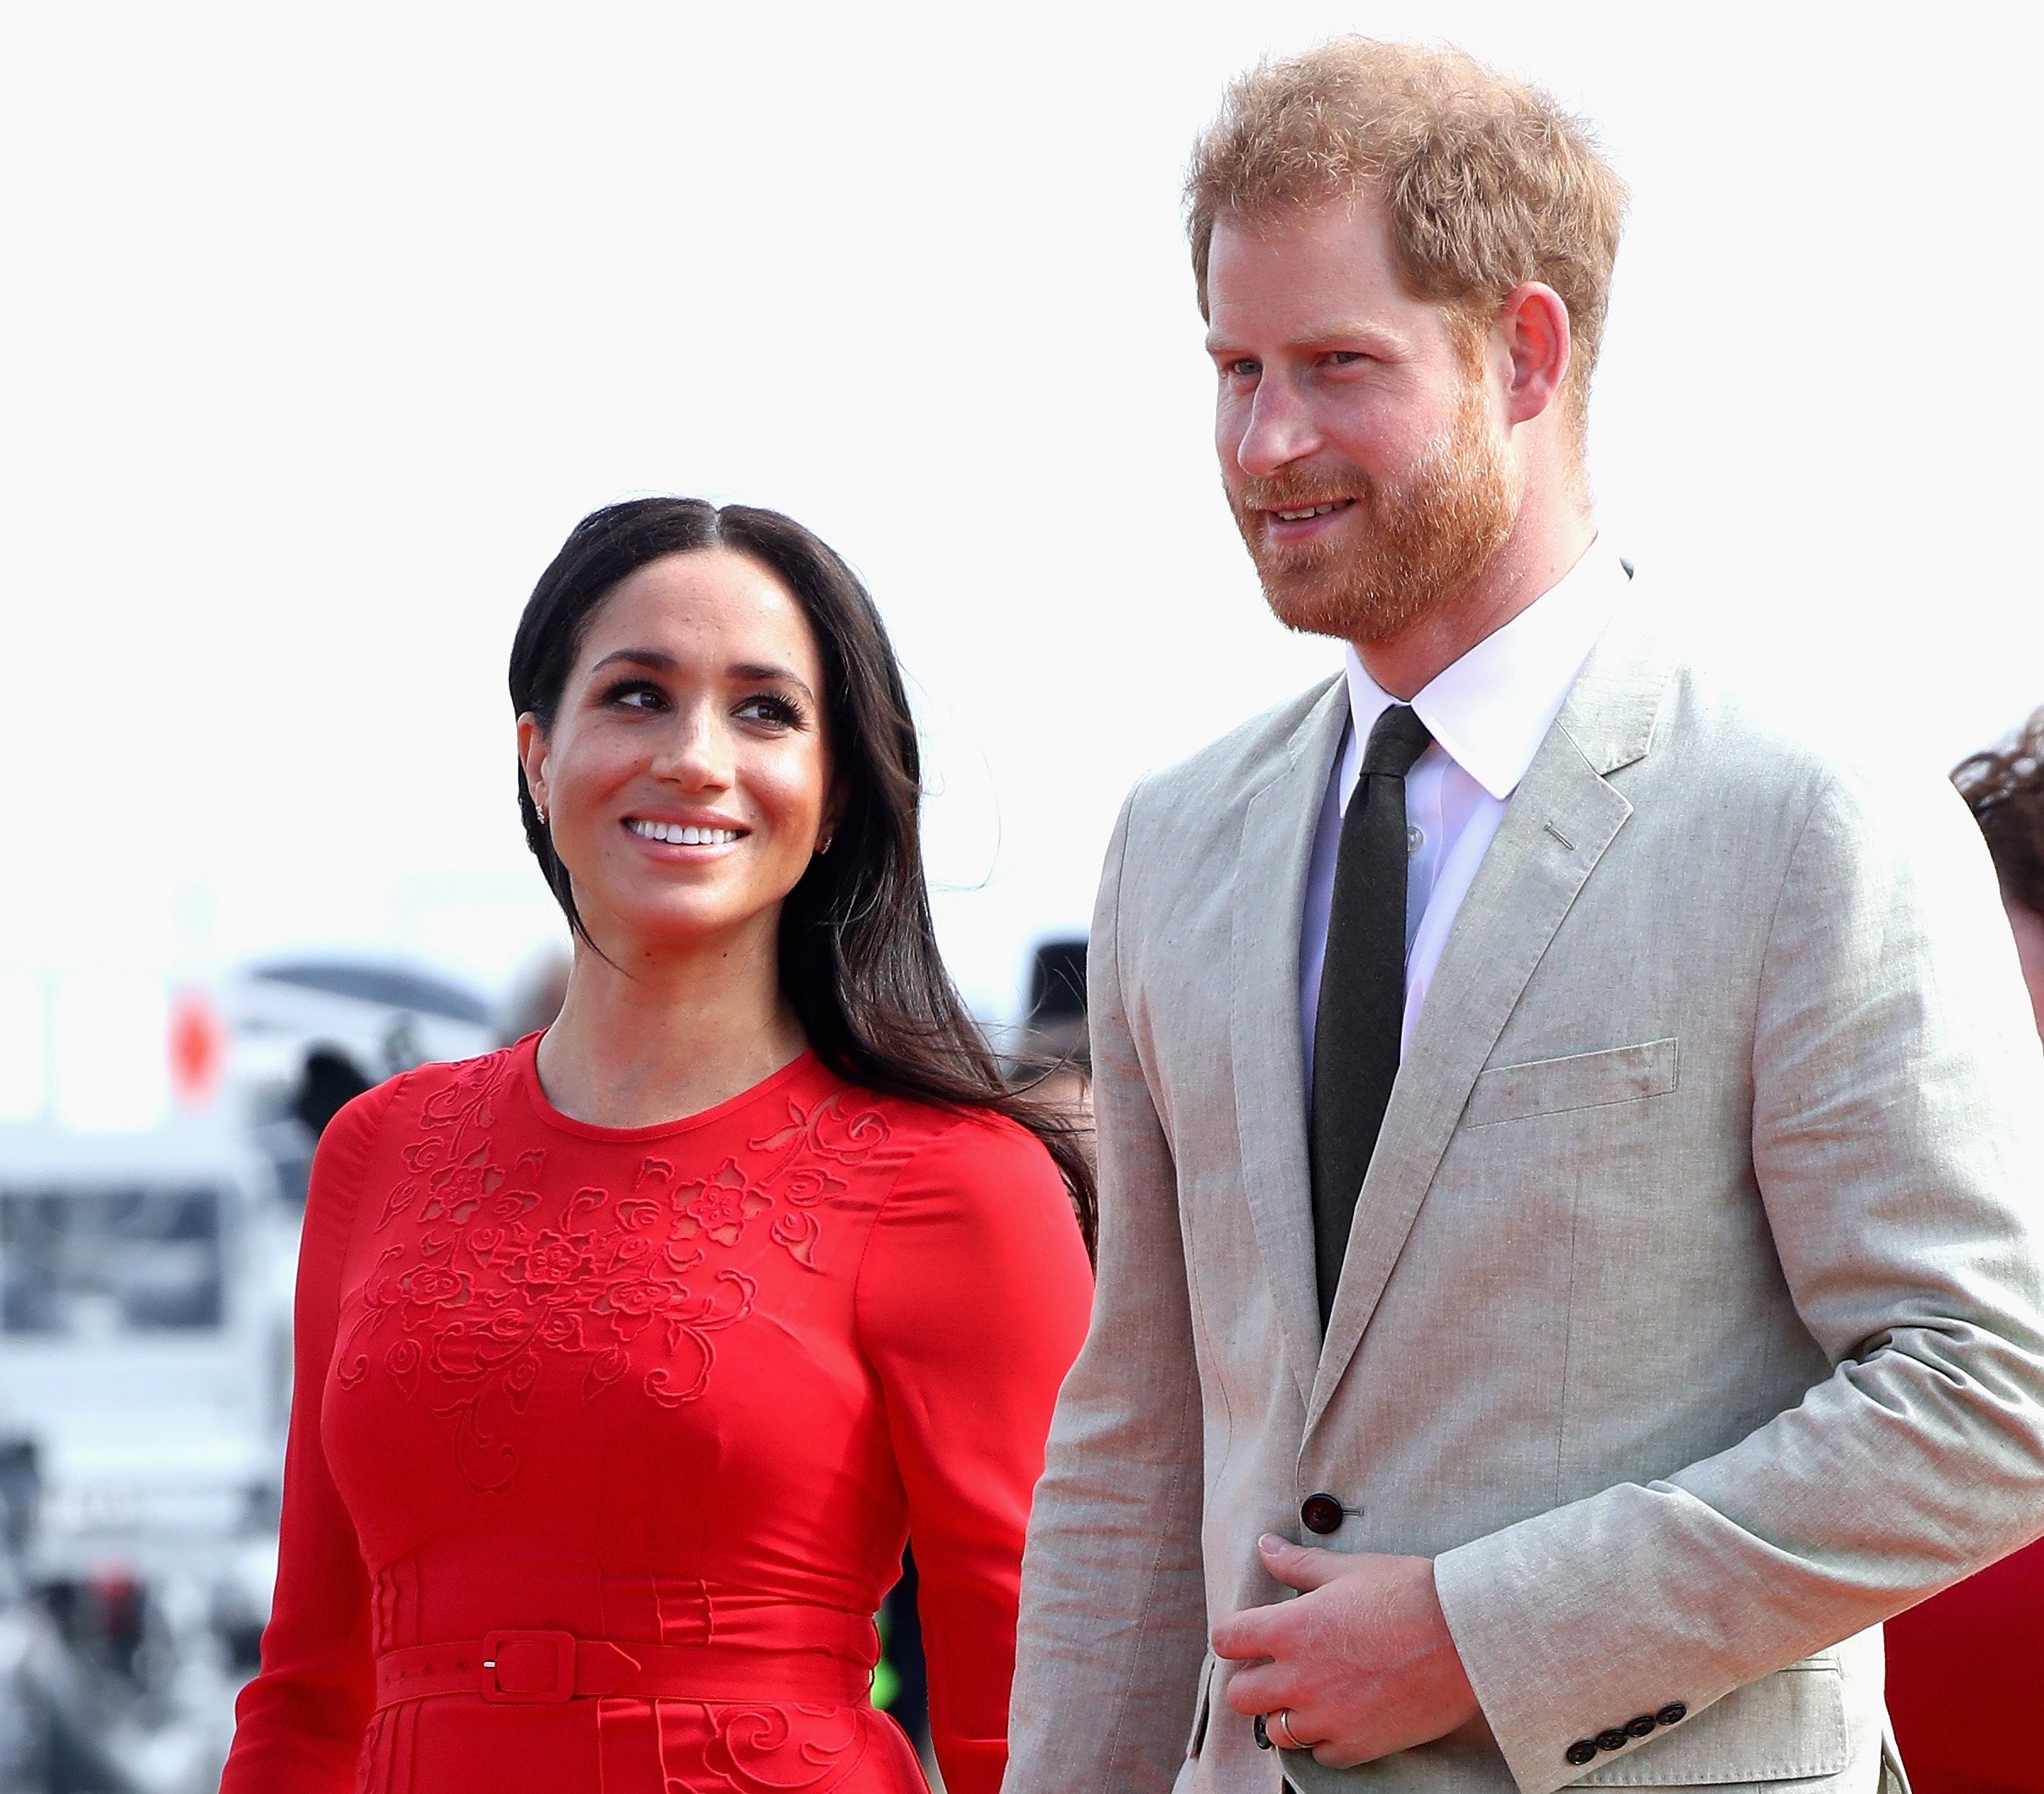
1691 1317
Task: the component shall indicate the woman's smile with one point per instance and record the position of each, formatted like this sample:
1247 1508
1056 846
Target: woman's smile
656 832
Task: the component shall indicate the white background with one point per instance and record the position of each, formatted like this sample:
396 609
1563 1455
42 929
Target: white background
320 326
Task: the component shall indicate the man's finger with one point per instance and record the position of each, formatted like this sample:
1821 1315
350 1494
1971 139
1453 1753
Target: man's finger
1303 1567
1248 1634
1262 1689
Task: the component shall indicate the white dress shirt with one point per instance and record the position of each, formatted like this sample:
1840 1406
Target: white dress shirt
1487 714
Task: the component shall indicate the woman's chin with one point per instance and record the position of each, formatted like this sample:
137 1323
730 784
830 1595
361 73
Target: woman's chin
676 931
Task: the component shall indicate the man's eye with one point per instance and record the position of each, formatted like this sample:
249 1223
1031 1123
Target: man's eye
1243 369
1344 357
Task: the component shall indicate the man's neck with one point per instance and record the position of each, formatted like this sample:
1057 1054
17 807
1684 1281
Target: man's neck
1531 562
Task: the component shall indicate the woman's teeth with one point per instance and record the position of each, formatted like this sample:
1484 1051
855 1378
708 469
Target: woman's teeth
682 835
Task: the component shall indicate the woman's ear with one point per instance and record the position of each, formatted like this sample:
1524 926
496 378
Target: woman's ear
532 759
834 813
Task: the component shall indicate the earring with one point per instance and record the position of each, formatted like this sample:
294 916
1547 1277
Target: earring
541 810
823 845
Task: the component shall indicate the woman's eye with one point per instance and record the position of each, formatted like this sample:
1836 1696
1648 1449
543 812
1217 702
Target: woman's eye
765 707
636 695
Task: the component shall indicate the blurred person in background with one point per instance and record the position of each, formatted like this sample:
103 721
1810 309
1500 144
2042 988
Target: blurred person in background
534 1000
1055 1061
1965 1676
628 1356
1569 1141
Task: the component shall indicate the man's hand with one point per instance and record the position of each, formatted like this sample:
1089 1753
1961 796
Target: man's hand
1362 1663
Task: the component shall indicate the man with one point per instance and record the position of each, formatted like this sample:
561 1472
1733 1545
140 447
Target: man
1568 1269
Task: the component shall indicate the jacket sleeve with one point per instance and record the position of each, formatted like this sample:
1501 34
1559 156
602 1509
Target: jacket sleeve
299 1724
1113 1628
971 1301
1898 1101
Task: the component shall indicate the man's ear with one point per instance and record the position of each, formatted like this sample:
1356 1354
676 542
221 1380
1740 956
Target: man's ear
1533 323
533 757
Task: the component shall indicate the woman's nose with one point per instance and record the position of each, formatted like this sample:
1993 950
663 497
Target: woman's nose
697 753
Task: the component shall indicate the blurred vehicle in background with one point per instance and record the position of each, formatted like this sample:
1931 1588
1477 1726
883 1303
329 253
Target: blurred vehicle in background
146 1269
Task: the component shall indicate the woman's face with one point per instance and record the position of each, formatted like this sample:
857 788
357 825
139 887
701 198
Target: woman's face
686 780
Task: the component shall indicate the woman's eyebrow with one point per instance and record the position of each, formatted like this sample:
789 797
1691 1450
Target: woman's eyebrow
639 656
767 669
662 662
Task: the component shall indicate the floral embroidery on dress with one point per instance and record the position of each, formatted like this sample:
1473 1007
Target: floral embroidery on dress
761 1748
825 1132
720 1206
488 1293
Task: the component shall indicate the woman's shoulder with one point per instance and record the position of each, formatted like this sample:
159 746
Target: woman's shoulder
975 1224
425 1096
966 1132
973 1166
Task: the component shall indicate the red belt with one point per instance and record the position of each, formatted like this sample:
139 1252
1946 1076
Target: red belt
531 1668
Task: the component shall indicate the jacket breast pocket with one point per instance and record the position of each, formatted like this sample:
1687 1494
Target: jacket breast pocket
1789 1726
1548 1087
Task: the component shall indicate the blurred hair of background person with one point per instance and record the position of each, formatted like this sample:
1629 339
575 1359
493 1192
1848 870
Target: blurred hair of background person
1966 1674
2004 787
631 1355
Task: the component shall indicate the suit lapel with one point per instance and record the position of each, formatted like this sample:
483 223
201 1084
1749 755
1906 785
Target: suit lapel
1269 1079
1555 829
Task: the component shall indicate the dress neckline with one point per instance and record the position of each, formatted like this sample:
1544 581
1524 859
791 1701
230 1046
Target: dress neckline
526 1057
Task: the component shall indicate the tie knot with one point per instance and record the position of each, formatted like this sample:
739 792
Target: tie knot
1398 738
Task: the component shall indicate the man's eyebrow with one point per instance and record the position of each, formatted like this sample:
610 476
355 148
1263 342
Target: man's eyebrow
1336 334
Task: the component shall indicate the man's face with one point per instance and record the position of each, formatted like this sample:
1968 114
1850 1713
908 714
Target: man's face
1364 457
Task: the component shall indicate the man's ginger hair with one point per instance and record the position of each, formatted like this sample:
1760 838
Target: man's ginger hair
1487 182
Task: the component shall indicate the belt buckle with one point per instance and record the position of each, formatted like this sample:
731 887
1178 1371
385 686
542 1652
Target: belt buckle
528 1668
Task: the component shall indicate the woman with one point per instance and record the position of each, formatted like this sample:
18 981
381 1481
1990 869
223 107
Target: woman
1965 1666
627 1355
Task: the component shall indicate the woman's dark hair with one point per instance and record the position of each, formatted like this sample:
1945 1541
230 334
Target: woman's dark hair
2004 788
858 951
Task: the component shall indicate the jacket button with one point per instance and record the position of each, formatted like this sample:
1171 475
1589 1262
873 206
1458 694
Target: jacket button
1584 1750
1610 1738
1673 1713
1640 1725
1321 1513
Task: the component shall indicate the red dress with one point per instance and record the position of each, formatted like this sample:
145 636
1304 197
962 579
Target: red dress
606 1441
1966 1683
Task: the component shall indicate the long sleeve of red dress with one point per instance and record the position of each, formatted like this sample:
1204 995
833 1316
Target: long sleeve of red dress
300 1723
605 1442
951 1280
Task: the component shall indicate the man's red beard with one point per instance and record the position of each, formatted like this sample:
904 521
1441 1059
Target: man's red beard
1422 540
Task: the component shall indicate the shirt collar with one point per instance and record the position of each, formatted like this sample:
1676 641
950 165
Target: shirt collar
1490 710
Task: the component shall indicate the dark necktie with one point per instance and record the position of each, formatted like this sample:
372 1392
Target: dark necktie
1362 1009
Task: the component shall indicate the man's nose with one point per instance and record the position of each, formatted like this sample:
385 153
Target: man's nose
1278 431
